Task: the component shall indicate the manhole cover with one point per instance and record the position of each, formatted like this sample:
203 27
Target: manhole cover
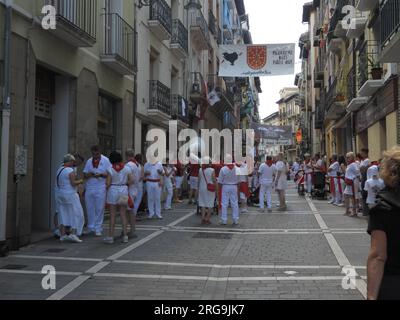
212 236
13 267
55 250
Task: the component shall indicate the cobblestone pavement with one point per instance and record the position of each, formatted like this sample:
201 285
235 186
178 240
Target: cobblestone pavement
298 254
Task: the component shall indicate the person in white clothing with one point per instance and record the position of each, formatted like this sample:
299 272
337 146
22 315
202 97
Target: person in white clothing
153 173
373 185
140 185
364 165
206 197
295 168
169 183
308 171
96 172
244 194
118 181
266 176
70 212
281 181
335 180
228 182
136 172
351 192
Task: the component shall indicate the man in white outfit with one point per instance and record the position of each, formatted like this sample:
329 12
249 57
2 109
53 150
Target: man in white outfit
267 173
335 181
96 171
228 182
136 173
153 174
352 179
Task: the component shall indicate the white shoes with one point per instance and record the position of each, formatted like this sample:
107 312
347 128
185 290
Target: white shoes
125 239
71 238
98 234
108 240
244 211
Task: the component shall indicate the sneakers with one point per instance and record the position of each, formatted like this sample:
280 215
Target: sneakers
125 239
222 223
244 211
98 234
86 232
74 238
64 238
108 240
160 218
235 223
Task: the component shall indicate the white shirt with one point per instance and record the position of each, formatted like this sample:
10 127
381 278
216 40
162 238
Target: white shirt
318 165
153 170
352 171
365 163
104 166
228 177
296 167
267 173
136 171
373 186
119 178
307 167
243 173
63 183
334 169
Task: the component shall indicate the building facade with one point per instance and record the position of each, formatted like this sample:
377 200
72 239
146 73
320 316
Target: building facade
351 69
266 149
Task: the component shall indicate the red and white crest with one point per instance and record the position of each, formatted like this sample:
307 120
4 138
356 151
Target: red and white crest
256 57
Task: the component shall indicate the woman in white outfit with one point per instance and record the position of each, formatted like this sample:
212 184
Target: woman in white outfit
70 212
281 181
118 179
169 182
206 197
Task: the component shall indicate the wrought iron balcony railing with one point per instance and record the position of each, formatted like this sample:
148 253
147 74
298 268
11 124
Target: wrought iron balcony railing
212 22
160 11
179 34
368 56
196 20
79 15
390 20
160 97
337 17
119 40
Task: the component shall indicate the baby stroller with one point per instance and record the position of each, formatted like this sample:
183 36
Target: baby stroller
254 197
300 179
319 188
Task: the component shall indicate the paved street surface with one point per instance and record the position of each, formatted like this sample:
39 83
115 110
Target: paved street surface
298 254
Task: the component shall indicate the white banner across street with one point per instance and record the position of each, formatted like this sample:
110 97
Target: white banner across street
256 60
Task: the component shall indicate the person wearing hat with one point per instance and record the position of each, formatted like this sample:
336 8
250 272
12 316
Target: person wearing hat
70 211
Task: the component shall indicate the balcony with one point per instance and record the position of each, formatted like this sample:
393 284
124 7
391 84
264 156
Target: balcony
180 110
76 21
390 31
335 45
335 25
367 5
356 104
160 101
357 25
199 29
336 99
368 54
198 90
179 40
119 51
319 72
226 104
212 25
160 21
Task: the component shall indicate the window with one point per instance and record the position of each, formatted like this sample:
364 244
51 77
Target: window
106 124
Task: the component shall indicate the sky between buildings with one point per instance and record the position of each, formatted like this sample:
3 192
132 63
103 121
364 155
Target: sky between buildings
275 22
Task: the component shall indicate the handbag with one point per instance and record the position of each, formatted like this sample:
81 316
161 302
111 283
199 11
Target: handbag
210 186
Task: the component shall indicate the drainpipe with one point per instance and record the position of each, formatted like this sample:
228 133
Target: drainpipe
5 127
135 95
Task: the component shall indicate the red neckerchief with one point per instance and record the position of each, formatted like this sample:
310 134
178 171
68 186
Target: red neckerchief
351 162
118 166
96 162
230 166
269 163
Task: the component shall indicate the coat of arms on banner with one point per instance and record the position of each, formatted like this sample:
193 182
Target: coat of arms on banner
256 57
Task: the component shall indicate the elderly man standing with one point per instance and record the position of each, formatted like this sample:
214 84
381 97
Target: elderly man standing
154 173
96 172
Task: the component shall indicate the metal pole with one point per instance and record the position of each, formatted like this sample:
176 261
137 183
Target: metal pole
5 127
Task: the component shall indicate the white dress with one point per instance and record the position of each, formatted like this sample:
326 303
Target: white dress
119 185
70 212
206 198
282 182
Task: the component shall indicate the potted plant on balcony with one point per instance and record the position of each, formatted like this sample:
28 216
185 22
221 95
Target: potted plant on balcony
376 69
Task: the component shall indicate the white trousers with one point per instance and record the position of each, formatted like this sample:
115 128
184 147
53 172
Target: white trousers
95 200
308 182
154 199
169 189
338 196
138 199
229 195
266 189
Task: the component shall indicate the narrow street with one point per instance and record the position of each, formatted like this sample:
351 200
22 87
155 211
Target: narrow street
298 254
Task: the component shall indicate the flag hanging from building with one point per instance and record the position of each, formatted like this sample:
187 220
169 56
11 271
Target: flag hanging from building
257 60
213 98
273 135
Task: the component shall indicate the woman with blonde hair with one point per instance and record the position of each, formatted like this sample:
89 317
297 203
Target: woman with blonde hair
383 266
